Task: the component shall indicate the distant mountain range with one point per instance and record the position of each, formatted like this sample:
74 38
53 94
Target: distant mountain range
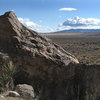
78 31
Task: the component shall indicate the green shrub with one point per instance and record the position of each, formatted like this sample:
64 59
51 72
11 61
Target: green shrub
6 78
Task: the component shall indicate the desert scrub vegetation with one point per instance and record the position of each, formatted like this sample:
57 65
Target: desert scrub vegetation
85 49
6 77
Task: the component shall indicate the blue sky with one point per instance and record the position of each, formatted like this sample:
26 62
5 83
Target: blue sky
47 14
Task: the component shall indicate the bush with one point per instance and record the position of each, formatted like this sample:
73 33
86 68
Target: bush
6 78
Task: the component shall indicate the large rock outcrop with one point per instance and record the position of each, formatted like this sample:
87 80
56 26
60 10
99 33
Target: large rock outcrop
27 49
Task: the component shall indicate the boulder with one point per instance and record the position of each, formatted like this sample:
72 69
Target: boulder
26 91
13 94
28 50
1 97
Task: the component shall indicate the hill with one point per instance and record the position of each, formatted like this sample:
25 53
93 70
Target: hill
78 31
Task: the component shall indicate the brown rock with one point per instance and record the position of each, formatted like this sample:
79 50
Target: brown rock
30 52
27 49
26 91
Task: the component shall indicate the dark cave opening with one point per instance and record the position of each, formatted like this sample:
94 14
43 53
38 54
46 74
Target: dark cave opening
21 77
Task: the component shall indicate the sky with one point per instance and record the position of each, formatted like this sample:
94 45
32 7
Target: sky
54 15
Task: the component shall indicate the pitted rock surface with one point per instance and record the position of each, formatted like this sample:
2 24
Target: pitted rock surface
27 49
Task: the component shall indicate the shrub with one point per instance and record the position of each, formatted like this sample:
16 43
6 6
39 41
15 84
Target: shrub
6 78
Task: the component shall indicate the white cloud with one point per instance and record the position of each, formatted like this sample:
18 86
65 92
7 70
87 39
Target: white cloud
27 22
67 9
80 23
30 24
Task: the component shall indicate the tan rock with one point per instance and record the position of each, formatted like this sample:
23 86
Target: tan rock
27 49
26 91
13 94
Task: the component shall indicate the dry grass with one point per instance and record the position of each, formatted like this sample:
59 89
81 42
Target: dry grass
61 34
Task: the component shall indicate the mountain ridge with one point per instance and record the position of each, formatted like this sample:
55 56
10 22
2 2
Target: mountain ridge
78 31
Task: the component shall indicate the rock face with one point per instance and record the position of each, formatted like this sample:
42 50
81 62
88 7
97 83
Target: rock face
28 50
74 82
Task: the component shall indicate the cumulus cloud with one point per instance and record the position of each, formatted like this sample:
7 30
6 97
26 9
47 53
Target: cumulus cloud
80 23
30 24
67 9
